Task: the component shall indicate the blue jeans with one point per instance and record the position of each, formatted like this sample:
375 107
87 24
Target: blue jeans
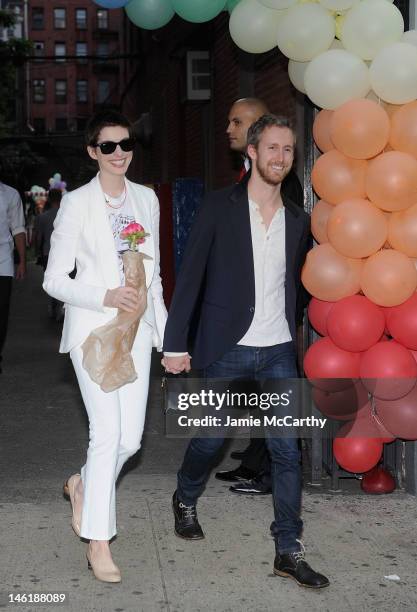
257 364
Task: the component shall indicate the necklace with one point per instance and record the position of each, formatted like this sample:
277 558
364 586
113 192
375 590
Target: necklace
107 200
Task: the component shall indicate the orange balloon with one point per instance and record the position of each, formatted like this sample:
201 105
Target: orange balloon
402 231
360 128
391 109
336 177
329 276
391 181
319 217
403 136
389 278
356 228
321 130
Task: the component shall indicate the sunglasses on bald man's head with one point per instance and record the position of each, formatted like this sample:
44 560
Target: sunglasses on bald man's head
108 147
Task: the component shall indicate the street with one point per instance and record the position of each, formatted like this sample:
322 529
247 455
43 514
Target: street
356 540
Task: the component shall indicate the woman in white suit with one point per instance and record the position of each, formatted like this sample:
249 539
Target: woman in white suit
87 234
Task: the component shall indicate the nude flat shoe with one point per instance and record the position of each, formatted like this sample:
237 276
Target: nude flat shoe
69 492
104 570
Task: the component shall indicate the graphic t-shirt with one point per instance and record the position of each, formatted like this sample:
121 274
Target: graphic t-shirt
120 216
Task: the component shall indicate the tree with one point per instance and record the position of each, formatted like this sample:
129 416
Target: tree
13 54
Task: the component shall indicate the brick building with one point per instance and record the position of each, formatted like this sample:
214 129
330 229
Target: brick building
188 134
75 42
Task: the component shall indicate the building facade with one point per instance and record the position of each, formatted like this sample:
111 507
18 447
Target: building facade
80 62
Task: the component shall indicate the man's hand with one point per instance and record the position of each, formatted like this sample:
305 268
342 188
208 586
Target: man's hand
125 298
175 365
20 270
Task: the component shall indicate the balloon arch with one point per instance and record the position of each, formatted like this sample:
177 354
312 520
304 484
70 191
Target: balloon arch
354 61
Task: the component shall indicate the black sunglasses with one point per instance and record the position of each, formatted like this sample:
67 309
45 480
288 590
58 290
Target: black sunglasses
108 147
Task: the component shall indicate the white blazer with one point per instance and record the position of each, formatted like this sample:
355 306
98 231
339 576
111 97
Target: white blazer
82 235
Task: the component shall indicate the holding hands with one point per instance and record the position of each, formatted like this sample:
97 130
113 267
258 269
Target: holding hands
176 365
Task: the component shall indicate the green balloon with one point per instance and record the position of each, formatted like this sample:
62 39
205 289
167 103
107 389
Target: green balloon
230 5
198 11
150 14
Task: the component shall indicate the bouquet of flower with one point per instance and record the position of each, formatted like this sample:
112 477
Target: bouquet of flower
107 351
135 234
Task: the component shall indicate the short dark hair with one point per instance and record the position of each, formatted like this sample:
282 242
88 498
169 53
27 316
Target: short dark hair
102 119
54 196
257 128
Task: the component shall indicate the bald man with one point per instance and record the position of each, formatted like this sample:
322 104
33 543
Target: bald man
253 476
242 114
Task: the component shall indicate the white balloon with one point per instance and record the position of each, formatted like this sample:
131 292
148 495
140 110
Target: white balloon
278 4
370 26
410 37
296 72
338 5
394 73
306 30
336 44
334 77
253 27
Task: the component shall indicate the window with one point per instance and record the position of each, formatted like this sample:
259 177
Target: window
82 91
61 124
102 49
60 18
38 19
81 19
39 50
60 51
39 124
81 51
102 19
60 91
103 91
39 90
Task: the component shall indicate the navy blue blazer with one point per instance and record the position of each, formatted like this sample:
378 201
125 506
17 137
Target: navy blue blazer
216 282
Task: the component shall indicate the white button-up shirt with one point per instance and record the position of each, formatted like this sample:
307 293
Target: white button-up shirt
12 222
269 325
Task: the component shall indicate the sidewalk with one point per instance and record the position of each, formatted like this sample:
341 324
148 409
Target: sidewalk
354 539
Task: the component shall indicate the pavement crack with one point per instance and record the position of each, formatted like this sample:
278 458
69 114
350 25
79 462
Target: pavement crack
155 541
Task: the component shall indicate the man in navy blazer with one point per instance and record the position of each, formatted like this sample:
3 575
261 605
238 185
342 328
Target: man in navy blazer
240 277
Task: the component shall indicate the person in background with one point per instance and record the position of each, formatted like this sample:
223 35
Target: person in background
43 228
12 233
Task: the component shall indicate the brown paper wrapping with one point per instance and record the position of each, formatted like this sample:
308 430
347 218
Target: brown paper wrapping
107 351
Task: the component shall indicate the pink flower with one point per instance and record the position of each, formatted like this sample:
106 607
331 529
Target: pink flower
130 229
135 234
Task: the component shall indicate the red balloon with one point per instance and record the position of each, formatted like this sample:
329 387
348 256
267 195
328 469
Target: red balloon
366 425
388 370
357 455
318 311
399 416
343 405
329 367
355 323
402 322
378 481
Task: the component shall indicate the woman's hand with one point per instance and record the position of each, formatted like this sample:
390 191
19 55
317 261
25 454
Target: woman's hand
125 298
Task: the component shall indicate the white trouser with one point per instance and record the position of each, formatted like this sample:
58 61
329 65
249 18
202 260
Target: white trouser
116 422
